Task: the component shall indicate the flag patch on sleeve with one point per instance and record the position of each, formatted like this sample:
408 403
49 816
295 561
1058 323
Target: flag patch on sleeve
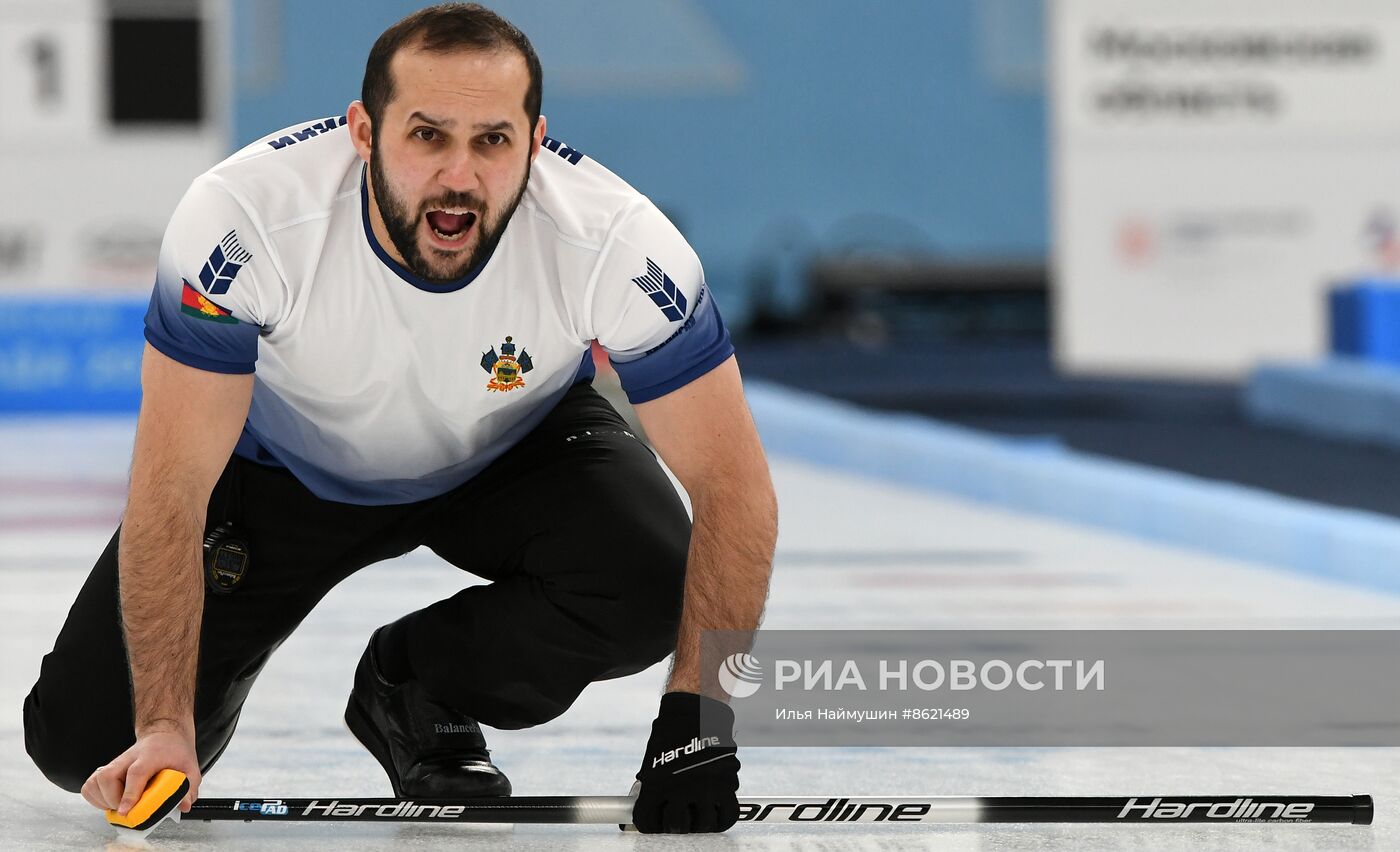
193 303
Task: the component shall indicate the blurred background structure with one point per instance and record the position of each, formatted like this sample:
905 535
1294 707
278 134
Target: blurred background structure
824 162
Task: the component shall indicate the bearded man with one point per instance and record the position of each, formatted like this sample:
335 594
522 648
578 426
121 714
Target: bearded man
370 333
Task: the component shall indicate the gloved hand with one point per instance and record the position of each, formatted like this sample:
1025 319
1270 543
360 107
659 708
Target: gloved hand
688 781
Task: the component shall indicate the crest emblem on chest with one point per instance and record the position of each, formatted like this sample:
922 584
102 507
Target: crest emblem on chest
507 369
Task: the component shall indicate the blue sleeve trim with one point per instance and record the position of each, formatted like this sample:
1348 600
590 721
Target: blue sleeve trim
697 347
169 349
195 342
647 394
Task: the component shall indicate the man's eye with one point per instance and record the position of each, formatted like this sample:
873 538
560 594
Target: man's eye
494 139
427 134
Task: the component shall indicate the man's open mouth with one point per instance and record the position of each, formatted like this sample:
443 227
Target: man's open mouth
451 225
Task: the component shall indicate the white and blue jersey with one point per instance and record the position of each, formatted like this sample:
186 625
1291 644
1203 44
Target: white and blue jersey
374 386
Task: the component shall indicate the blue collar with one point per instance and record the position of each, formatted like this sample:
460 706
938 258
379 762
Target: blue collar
395 266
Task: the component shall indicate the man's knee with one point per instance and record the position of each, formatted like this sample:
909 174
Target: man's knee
71 739
62 750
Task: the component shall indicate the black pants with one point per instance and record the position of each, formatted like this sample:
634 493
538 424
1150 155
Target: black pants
577 527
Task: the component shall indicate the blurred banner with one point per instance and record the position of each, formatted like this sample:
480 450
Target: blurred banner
1216 168
70 353
108 109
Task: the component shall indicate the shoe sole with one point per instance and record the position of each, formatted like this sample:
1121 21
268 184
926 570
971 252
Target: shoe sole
363 730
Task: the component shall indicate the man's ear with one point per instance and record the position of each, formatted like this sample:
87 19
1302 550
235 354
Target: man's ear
537 138
361 129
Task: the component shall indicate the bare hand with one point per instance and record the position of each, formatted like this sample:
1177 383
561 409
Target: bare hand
119 784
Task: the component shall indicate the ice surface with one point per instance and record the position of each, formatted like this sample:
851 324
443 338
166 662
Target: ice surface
853 553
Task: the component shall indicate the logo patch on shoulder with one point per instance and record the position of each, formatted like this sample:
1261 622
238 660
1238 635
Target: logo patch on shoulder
223 264
193 304
507 368
663 291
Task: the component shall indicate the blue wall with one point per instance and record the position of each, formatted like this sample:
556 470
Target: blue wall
815 124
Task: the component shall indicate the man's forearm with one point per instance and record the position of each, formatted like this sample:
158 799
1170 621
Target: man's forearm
162 605
730 561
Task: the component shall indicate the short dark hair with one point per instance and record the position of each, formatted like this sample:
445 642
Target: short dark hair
442 29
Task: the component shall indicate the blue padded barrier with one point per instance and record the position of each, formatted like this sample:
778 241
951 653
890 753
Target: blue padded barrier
1340 399
1177 509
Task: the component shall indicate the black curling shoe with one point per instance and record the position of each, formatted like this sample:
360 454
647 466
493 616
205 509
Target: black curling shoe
429 750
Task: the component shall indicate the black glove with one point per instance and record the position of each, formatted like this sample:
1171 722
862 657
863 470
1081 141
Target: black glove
688 777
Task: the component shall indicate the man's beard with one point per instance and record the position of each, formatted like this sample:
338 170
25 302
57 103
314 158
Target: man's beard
403 227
